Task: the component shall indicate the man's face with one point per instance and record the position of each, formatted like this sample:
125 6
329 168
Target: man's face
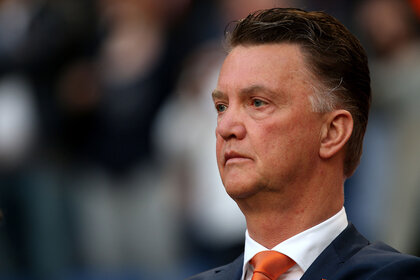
268 136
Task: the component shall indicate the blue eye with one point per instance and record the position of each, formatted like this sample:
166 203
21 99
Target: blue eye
258 102
221 108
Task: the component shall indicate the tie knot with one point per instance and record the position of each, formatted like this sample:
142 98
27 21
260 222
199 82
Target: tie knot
271 264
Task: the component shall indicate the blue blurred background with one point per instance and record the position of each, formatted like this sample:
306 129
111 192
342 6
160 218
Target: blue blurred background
107 165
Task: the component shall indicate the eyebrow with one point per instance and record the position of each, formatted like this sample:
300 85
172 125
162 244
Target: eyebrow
217 94
220 95
257 88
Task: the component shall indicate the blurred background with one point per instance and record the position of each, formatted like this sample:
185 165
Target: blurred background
107 162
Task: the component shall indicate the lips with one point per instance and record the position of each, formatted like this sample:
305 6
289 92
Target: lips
233 156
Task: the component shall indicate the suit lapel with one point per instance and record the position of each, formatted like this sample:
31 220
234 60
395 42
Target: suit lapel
232 271
348 243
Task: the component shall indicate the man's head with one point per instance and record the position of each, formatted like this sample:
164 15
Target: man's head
293 97
333 56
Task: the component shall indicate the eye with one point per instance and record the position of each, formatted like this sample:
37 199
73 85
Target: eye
221 108
258 102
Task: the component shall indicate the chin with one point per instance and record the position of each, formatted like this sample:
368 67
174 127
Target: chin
240 190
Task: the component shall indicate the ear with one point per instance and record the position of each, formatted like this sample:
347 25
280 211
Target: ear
335 132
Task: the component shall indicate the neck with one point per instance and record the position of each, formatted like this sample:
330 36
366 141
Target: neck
272 217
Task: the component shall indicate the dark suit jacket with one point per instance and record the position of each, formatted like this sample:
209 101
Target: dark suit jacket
350 256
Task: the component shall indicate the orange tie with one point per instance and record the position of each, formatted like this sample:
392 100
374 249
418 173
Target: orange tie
269 265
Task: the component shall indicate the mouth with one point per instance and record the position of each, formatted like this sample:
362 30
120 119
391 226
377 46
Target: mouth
234 157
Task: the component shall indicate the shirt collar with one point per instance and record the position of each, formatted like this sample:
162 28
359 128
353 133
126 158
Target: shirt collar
304 247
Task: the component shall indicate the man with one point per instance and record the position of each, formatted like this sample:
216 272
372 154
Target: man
292 99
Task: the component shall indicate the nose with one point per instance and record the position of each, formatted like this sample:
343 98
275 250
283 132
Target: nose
230 125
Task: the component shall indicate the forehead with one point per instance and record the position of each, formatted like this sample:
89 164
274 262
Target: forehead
271 65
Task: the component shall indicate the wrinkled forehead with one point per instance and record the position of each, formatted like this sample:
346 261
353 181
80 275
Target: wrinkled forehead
271 65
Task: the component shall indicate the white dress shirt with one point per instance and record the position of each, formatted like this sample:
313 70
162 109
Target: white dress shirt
303 248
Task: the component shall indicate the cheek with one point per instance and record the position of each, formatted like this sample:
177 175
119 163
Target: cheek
282 141
219 150
277 134
276 146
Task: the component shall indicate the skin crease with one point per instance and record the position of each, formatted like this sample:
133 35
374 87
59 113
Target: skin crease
278 159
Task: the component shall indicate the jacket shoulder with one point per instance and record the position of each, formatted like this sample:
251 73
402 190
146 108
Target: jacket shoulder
351 256
380 261
230 271
209 274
